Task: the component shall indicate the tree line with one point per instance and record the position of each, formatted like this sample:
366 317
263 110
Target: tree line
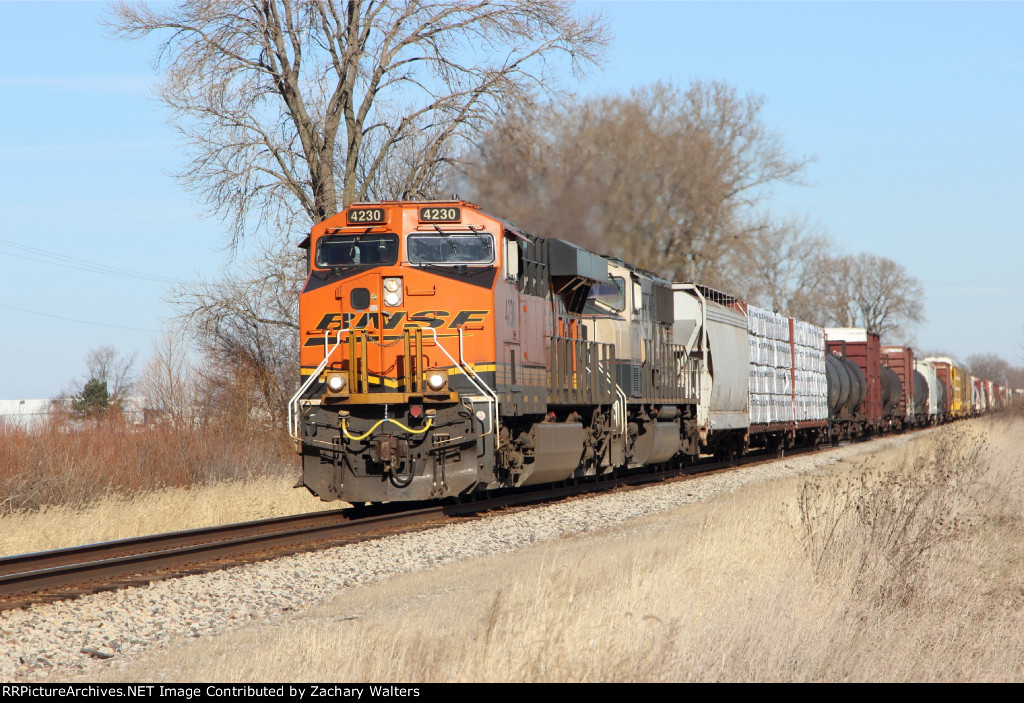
290 110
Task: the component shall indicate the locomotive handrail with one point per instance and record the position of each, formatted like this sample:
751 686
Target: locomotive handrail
492 397
293 404
479 383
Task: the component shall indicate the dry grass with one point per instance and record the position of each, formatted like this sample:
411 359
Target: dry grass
902 570
872 531
164 510
67 463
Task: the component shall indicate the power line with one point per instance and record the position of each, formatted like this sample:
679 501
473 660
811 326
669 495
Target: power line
71 319
71 262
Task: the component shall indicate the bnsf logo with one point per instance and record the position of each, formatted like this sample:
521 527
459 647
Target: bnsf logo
394 321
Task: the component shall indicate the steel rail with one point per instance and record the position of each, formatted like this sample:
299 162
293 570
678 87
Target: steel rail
180 551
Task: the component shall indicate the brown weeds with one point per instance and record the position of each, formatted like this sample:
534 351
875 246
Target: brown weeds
874 530
65 462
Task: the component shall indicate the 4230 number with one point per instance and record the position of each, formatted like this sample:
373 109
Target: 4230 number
440 214
366 215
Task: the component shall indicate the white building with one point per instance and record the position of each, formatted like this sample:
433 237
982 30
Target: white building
26 413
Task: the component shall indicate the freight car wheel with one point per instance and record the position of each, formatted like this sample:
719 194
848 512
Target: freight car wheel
726 453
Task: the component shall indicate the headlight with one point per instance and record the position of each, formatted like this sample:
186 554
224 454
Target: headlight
335 383
392 292
436 380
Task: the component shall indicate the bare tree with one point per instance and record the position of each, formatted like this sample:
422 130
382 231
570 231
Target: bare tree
295 108
246 327
874 292
168 381
992 367
107 382
107 365
839 306
782 267
1015 377
670 180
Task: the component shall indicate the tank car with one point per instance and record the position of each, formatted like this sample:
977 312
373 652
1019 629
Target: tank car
913 393
860 348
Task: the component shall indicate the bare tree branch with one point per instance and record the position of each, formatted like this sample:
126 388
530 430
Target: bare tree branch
669 180
782 266
276 100
247 324
874 292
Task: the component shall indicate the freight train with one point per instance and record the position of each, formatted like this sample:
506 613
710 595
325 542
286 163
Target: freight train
445 352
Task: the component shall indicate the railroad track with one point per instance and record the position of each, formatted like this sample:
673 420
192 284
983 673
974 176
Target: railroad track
68 573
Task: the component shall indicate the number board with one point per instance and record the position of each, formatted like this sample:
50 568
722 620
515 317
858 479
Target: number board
440 214
365 216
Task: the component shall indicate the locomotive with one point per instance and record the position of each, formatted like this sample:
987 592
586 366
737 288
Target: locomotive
446 352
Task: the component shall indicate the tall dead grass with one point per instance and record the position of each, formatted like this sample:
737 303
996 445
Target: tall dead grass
64 462
872 531
152 512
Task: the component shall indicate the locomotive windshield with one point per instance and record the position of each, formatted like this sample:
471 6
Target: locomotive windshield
357 250
443 248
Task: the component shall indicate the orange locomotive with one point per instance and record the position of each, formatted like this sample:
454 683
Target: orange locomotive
443 351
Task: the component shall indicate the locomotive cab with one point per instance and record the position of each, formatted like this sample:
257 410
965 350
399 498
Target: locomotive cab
397 339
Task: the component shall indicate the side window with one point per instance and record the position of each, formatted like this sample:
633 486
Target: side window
611 294
512 256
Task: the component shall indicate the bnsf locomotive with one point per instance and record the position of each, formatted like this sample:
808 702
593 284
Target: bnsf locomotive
445 352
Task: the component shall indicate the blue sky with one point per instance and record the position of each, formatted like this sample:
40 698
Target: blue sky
913 111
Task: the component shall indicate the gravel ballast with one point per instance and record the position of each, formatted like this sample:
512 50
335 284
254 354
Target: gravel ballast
72 637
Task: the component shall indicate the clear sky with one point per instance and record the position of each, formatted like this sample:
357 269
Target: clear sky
913 111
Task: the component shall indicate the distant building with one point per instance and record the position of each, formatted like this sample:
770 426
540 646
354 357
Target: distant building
26 413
